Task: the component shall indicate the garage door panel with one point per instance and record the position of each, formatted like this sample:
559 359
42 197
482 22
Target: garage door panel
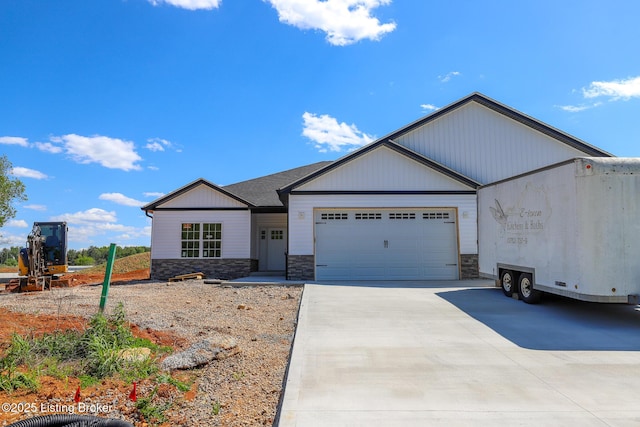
386 244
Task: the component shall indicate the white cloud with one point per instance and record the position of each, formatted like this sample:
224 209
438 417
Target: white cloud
428 107
448 76
153 168
40 208
84 225
189 4
615 89
10 240
93 215
153 194
578 108
18 223
329 135
158 144
344 21
112 153
121 199
154 146
14 140
48 147
134 233
27 173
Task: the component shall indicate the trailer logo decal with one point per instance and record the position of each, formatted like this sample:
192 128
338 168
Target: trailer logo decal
528 217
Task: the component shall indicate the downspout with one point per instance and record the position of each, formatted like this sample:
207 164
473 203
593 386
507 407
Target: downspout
146 213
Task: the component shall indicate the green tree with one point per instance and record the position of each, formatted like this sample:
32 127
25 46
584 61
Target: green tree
11 190
84 260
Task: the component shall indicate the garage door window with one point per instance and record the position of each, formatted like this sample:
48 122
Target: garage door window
403 215
368 215
435 215
334 216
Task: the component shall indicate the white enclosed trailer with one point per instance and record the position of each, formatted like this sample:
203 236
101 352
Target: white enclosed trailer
570 229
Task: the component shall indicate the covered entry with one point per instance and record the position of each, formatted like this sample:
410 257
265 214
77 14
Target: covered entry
386 244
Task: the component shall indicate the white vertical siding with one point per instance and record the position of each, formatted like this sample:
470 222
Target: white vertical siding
301 218
383 169
203 196
166 232
485 145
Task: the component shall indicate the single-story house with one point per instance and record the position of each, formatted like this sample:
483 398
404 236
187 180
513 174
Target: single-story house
400 208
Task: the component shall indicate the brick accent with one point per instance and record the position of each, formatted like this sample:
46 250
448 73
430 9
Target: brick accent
215 268
300 267
469 266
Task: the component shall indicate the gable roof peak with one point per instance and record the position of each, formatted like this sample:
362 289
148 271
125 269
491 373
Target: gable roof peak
508 112
188 187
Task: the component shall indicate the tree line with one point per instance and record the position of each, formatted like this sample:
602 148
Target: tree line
90 256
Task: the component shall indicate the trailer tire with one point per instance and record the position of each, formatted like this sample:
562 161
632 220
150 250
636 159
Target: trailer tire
507 283
526 291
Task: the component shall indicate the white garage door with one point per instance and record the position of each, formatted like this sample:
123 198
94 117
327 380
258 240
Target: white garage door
386 244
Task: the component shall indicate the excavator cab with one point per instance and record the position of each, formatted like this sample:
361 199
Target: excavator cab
54 248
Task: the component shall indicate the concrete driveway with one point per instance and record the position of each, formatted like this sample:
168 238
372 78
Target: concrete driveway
459 354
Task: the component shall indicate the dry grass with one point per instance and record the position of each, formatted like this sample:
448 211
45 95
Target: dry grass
124 265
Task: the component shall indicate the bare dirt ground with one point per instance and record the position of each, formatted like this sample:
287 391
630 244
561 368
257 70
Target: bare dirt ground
241 389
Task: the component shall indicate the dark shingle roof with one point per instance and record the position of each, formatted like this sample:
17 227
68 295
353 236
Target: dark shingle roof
262 191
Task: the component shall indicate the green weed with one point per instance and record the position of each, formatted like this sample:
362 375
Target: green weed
11 379
168 379
215 408
153 414
93 354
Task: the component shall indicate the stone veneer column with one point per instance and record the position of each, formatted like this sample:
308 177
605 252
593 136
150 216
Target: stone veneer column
300 267
469 266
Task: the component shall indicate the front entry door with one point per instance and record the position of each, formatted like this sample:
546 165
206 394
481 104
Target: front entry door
276 247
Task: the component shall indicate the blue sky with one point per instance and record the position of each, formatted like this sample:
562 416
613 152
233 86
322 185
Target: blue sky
105 105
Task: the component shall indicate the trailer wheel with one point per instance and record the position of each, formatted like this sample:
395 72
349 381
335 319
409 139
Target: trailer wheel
507 282
526 291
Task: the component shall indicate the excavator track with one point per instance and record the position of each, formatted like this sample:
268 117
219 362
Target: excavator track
32 284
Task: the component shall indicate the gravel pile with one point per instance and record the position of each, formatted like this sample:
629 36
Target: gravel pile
254 325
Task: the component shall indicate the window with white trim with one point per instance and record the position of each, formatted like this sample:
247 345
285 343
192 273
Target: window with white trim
195 236
190 240
211 240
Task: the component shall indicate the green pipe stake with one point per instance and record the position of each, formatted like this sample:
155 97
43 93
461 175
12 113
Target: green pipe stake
107 276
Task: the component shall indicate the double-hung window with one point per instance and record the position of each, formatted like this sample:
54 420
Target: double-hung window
211 240
201 240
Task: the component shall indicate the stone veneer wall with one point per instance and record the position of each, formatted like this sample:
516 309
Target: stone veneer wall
300 267
469 266
215 268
